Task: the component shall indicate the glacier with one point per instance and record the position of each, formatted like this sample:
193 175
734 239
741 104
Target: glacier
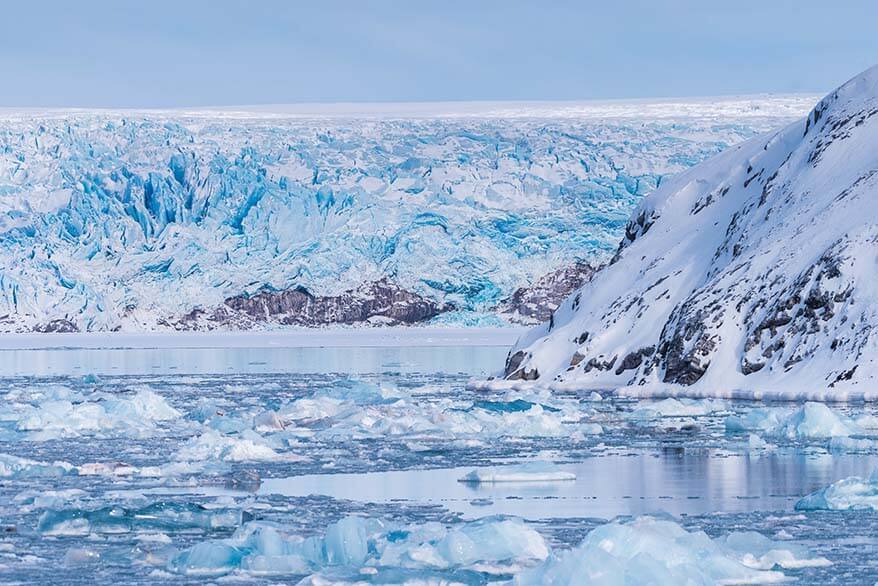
750 275
151 220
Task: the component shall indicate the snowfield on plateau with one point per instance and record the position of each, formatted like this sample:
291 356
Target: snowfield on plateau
752 274
290 216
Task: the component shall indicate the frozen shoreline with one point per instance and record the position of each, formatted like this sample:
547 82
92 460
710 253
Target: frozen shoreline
388 337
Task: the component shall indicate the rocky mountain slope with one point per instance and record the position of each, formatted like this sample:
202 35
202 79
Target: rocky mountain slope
753 273
135 220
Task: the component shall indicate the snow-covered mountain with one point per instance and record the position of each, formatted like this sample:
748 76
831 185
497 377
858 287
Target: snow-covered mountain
152 220
754 271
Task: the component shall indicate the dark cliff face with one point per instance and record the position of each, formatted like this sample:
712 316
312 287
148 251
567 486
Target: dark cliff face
382 300
535 303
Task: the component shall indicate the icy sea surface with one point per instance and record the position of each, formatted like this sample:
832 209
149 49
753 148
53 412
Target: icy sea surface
379 465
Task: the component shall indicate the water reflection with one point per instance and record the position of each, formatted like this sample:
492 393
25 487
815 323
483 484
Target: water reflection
676 481
472 360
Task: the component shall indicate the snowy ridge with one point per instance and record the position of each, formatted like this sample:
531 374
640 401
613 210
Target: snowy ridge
132 220
751 274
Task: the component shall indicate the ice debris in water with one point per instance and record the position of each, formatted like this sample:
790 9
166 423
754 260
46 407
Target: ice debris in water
661 552
379 412
356 543
529 472
246 446
159 516
811 421
850 494
16 467
756 443
71 414
672 407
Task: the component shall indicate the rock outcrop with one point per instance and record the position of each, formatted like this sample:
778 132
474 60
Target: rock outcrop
535 303
381 302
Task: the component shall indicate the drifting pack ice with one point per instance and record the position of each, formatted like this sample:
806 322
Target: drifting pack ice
752 273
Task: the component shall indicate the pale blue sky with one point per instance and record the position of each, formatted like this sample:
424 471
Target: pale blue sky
159 53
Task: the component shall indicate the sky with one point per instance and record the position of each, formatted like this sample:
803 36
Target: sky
184 53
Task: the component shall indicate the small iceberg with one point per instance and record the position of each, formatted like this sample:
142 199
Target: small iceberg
811 421
849 494
363 546
531 472
650 550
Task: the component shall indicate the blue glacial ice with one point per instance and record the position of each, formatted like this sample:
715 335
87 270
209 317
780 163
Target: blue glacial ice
810 421
489 544
661 552
848 494
127 219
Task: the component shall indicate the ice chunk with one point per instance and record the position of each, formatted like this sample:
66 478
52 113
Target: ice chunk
248 446
754 550
14 466
756 443
530 472
208 558
654 551
362 546
159 516
96 414
811 421
849 494
679 408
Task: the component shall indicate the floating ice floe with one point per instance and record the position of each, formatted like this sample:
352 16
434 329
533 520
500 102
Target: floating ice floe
248 445
16 467
94 414
530 472
756 443
657 551
672 407
811 421
378 413
849 494
159 516
355 543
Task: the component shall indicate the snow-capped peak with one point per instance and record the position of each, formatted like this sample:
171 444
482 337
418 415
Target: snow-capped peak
754 270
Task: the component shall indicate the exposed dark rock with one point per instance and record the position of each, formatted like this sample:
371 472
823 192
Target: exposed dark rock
57 326
634 359
516 367
598 364
535 304
297 306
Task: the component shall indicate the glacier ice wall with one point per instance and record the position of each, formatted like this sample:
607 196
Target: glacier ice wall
119 220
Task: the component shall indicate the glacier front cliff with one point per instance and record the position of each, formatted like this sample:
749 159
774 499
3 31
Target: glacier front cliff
132 220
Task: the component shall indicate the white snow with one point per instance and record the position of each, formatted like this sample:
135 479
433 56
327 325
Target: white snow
750 275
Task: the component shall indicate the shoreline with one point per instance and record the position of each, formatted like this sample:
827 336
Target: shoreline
383 337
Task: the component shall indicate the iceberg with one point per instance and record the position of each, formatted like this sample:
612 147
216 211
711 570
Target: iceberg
811 421
651 550
65 414
356 543
849 494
